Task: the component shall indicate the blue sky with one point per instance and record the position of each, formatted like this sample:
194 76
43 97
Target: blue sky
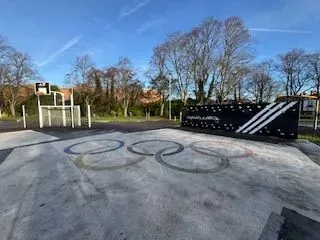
54 32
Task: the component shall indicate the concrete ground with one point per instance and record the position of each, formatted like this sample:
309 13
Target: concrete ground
155 184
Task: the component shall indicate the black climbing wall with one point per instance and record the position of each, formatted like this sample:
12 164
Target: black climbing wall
232 117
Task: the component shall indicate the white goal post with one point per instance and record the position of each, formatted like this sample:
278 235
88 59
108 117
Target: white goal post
59 116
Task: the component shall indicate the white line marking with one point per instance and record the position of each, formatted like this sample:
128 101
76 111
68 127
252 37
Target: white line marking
255 117
279 106
273 117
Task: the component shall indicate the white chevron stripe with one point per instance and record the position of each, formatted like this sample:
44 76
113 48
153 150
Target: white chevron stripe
275 109
283 110
255 117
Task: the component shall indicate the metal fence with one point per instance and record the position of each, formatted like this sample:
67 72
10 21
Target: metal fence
28 118
308 121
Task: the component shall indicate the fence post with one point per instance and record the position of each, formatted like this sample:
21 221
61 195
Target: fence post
89 115
24 116
72 111
72 116
49 116
79 116
317 115
64 121
180 117
55 98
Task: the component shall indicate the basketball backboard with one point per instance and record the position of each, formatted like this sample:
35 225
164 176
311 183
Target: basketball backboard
42 88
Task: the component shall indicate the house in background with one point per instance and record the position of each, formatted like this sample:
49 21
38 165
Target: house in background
308 102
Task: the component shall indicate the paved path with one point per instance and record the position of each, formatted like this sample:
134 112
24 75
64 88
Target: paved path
155 184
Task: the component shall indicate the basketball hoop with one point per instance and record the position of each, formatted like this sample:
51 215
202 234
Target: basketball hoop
42 89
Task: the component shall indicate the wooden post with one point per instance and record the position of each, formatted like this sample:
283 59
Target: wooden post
24 116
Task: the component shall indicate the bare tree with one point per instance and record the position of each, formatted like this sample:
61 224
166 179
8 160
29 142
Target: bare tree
17 72
82 69
293 68
240 77
159 76
4 50
314 75
314 71
177 64
109 82
202 43
262 87
135 92
161 84
234 53
84 77
4 76
125 79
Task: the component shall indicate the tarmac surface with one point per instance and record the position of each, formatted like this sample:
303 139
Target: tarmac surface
149 184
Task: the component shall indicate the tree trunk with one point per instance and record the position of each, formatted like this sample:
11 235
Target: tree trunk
235 95
0 113
261 95
162 109
12 109
210 90
125 109
239 92
184 101
87 103
125 112
201 92
220 99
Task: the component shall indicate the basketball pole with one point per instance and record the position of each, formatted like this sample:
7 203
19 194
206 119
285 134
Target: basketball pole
40 112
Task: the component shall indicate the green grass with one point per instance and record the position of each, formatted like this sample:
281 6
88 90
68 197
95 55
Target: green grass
307 120
315 138
10 118
128 119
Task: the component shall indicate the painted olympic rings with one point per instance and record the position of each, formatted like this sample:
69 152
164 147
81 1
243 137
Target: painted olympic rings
180 148
70 151
160 154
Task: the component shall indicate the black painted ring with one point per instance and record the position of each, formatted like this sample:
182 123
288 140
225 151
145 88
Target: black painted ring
247 151
69 151
225 163
79 162
180 148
